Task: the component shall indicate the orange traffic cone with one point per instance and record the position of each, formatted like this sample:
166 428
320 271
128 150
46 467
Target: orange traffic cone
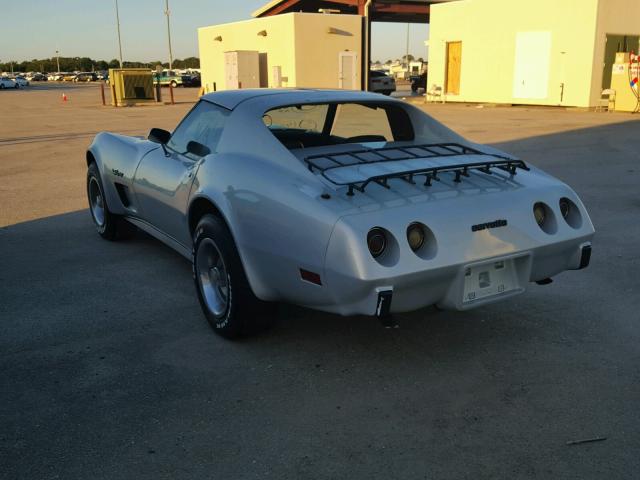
64 97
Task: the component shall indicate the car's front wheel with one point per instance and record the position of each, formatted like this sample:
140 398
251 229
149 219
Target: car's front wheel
174 84
223 290
108 225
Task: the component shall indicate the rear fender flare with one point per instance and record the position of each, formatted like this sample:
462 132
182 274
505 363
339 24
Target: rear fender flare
113 201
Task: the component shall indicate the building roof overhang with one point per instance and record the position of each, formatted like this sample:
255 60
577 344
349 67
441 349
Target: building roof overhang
403 11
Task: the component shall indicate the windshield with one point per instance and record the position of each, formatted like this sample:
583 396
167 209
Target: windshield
303 126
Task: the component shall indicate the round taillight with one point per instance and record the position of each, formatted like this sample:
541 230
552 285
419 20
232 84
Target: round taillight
570 212
540 213
376 241
415 236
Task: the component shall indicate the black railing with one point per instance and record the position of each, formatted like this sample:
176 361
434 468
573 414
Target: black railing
325 163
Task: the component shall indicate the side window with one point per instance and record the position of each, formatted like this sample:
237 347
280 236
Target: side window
203 124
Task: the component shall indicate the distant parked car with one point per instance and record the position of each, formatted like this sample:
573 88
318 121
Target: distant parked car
103 75
37 77
86 77
56 77
69 77
167 78
419 81
6 82
194 80
380 82
21 81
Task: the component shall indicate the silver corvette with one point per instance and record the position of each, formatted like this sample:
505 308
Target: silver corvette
346 202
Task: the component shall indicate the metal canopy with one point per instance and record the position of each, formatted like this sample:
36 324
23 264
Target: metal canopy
403 11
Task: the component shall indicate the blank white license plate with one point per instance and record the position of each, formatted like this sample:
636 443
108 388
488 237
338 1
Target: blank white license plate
489 279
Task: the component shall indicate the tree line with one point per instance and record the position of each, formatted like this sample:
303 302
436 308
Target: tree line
86 64
405 58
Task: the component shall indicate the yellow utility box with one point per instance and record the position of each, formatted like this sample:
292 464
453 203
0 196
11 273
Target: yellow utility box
624 84
131 86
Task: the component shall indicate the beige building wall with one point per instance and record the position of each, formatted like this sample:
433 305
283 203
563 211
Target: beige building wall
488 30
278 44
305 46
319 39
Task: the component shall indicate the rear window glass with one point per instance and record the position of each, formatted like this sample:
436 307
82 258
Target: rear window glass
310 118
304 126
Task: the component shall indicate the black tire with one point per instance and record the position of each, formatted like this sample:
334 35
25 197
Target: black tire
242 313
174 84
414 88
108 225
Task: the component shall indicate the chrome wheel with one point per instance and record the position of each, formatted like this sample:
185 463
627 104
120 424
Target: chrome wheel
96 202
212 277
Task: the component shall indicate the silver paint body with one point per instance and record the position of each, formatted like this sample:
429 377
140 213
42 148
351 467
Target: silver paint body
272 205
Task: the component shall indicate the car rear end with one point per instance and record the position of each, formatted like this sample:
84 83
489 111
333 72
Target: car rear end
380 82
457 245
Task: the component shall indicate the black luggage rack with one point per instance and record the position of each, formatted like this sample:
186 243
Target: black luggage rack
324 163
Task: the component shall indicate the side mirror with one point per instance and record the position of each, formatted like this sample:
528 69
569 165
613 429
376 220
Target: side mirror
158 135
198 149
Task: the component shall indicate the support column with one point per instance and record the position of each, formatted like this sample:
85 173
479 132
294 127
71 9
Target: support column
364 9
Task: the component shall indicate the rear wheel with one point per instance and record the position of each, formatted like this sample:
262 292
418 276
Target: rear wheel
225 295
174 84
108 225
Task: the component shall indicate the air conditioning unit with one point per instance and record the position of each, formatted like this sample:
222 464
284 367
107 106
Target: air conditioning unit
131 86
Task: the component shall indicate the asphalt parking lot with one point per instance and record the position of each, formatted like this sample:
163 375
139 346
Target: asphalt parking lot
109 370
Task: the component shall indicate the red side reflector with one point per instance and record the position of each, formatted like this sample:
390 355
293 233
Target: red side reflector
310 276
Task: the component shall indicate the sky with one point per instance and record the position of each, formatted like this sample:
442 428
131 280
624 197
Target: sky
87 28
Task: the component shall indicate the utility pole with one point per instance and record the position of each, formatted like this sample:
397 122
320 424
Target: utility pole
119 40
167 13
58 59
407 55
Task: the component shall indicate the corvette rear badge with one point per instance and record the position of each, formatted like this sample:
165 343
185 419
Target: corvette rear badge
485 226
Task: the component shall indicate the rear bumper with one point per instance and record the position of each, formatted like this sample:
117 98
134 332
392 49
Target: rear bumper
445 286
